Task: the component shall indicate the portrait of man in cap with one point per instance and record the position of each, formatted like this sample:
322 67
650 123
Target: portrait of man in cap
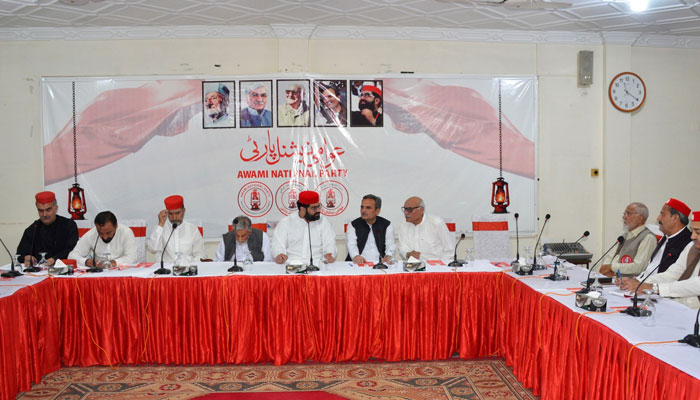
367 105
215 105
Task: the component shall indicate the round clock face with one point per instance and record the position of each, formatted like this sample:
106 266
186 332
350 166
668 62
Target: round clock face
627 91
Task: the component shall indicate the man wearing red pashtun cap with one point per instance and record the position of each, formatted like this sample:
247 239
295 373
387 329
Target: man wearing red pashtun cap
186 238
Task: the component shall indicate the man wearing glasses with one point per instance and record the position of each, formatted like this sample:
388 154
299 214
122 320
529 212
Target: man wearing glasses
370 106
633 256
423 236
292 234
256 115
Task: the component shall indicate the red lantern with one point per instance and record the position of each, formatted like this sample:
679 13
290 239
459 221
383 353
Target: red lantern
76 202
500 198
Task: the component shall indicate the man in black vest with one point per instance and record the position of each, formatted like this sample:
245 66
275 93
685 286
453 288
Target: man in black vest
362 246
673 223
246 241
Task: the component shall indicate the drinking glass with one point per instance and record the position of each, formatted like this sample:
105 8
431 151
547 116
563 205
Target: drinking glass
596 286
470 257
106 262
248 263
42 262
648 312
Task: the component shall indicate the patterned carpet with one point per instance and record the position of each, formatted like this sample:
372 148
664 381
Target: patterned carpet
454 379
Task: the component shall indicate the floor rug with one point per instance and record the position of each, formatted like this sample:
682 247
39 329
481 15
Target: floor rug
434 380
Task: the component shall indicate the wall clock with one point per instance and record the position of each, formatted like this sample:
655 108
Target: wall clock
627 91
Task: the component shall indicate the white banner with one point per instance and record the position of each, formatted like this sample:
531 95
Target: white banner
248 145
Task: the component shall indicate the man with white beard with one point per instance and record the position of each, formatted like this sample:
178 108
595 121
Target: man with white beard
633 256
216 108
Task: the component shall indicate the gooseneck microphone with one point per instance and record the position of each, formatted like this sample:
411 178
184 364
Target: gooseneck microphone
554 276
517 239
12 272
311 266
694 338
94 267
620 240
455 262
534 255
162 270
634 310
32 268
235 267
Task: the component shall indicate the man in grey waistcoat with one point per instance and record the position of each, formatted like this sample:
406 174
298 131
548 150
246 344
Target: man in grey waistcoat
244 240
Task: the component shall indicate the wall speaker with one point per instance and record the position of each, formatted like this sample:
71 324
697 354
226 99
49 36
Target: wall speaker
585 67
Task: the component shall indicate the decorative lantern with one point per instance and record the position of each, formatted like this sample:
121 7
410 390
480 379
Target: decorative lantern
500 198
76 202
76 195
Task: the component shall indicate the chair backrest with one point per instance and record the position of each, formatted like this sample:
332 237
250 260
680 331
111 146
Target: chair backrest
491 240
198 224
257 225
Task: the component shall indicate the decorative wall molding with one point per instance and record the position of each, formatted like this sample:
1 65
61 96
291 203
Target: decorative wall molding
291 31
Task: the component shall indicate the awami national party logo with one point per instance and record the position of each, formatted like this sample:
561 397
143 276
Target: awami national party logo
255 199
334 198
287 195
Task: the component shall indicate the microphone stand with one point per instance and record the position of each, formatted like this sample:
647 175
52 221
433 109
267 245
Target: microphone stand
380 264
235 267
635 310
455 262
534 256
620 240
554 276
12 273
311 267
33 268
694 338
517 240
94 267
162 270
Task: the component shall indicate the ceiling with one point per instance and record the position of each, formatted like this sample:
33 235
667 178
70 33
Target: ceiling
673 18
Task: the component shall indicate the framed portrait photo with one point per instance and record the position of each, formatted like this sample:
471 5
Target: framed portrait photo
256 104
330 103
366 103
218 105
293 103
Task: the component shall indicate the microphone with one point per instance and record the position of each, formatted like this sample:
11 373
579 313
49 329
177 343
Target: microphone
94 267
517 240
634 310
235 267
32 268
12 272
534 256
162 270
456 263
311 266
554 276
620 240
694 338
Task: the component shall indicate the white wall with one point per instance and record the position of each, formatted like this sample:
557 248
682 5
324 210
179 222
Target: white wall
646 156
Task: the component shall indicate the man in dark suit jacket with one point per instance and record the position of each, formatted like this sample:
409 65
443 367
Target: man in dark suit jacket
673 222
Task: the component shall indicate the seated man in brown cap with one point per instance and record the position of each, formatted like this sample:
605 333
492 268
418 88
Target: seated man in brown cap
291 238
186 238
51 233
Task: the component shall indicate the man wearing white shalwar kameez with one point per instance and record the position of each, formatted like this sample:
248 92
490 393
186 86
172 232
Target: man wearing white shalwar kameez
423 236
291 238
186 239
117 240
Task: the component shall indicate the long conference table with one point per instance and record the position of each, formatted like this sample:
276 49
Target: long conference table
345 313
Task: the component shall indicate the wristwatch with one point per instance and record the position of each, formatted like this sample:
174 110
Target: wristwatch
655 288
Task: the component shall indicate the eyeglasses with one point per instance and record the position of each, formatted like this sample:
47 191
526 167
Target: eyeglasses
627 213
409 209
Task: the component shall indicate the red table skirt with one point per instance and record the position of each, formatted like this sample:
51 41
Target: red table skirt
251 319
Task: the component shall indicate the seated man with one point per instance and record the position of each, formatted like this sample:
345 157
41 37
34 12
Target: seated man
291 238
633 256
362 246
673 223
186 238
681 281
51 234
244 241
423 236
106 237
